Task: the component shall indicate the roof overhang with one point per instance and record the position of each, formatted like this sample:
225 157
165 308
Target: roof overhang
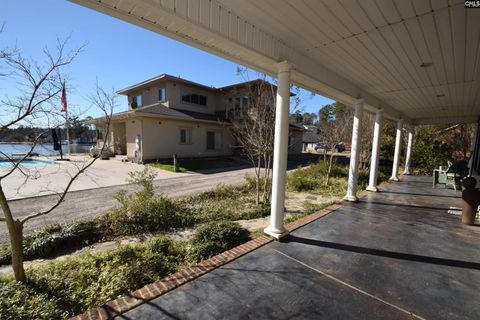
161 79
418 60
130 115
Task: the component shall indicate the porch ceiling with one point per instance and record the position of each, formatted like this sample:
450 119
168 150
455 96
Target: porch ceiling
345 49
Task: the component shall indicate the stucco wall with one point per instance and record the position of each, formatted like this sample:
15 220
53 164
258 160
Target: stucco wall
149 96
132 129
174 98
161 139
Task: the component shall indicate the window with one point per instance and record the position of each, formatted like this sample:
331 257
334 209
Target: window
161 94
185 136
194 98
136 102
237 108
214 140
245 102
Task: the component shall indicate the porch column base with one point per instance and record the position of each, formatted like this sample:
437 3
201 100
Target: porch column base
394 179
276 233
350 198
373 189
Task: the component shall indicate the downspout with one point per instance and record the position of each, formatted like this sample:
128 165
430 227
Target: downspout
141 140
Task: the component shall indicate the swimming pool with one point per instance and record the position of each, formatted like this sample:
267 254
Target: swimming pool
25 163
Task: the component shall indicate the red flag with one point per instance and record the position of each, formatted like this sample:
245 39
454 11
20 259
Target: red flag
64 99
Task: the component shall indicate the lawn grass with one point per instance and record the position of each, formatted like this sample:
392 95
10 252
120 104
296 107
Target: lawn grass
168 167
197 164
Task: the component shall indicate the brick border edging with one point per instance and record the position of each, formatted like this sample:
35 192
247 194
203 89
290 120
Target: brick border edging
151 291
154 290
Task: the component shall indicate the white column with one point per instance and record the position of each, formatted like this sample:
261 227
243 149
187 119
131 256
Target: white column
355 153
280 152
408 156
398 146
372 183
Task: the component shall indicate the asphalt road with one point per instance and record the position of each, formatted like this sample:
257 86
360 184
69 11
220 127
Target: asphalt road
92 202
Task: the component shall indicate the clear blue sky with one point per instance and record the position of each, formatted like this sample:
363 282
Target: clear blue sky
117 53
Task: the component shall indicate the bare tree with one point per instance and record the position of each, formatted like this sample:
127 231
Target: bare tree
253 128
37 103
368 121
336 128
253 125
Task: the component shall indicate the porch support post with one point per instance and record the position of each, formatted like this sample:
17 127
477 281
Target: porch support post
398 147
280 152
408 157
372 183
355 153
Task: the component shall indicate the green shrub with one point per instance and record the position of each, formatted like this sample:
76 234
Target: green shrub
79 283
53 238
225 203
138 215
5 255
143 211
221 192
48 241
215 237
302 181
19 301
250 183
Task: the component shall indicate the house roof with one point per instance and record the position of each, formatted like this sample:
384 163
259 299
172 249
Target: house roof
159 110
296 127
163 77
149 82
311 137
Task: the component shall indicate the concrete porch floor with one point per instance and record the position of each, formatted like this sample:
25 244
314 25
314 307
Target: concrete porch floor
396 254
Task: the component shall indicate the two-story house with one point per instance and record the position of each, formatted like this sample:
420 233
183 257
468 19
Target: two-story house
168 115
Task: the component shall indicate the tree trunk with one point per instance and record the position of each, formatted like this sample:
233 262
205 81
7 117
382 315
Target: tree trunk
327 181
266 183
15 230
257 179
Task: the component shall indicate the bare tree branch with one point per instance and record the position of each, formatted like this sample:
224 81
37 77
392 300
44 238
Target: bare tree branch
106 102
42 82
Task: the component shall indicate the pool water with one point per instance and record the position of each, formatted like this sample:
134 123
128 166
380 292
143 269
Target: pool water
25 163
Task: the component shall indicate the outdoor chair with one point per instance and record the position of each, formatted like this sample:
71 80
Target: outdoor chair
453 176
